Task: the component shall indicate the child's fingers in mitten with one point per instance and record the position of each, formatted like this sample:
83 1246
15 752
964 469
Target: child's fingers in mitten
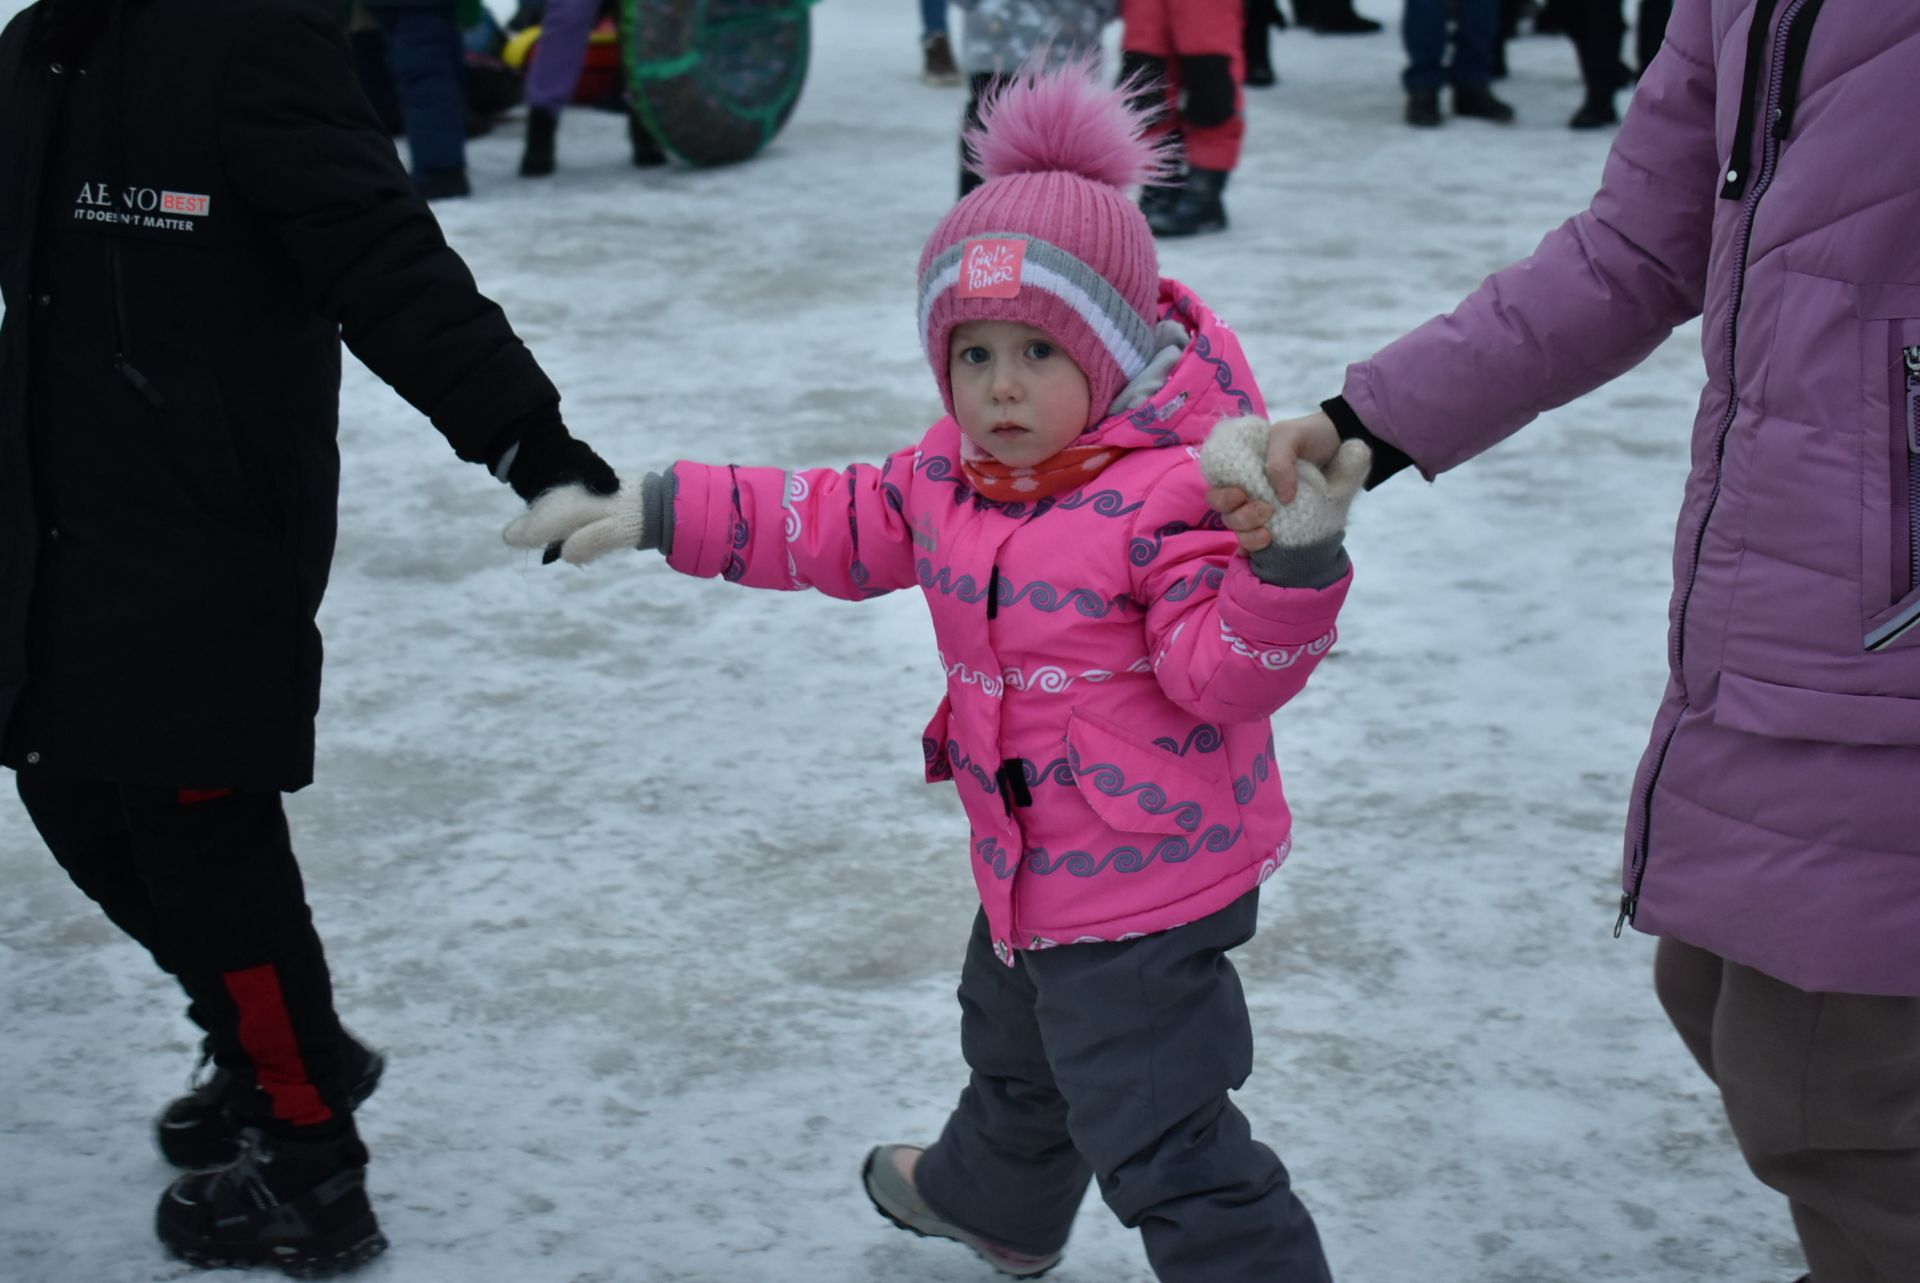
1247 519
1238 509
1225 498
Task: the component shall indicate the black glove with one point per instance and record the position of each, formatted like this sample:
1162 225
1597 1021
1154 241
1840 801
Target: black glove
549 456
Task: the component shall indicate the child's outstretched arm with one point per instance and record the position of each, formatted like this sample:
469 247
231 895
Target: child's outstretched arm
838 531
1234 638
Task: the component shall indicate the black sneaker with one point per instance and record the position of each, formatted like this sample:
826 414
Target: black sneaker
1423 108
299 1206
198 1130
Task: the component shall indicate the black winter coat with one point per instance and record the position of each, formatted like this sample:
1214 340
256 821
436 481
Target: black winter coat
193 215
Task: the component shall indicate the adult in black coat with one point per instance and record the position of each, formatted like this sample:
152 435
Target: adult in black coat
197 206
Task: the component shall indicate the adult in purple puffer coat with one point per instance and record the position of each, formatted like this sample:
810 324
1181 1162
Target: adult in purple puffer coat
1767 178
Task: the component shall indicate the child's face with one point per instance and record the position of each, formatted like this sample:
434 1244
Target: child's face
1017 395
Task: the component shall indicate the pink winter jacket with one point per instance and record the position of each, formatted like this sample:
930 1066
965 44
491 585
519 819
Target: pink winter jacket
1112 662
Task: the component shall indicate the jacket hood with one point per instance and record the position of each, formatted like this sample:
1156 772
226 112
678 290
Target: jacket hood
1209 382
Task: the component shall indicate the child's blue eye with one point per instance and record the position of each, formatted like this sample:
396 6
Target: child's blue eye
1039 350
973 356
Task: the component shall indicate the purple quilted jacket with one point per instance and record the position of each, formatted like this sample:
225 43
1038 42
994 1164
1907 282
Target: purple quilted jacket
1767 178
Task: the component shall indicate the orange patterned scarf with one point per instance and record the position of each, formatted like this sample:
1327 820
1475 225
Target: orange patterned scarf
1004 483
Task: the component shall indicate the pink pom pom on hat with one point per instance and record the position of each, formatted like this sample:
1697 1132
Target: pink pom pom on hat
1052 238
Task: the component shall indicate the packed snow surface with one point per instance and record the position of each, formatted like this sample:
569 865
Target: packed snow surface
635 880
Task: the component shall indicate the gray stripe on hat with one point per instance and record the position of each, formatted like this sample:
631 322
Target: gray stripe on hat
1127 336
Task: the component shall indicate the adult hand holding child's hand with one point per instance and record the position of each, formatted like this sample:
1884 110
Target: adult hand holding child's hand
1238 460
583 526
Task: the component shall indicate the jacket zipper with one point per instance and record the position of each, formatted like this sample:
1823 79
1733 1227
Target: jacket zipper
124 366
1897 627
1911 356
1736 185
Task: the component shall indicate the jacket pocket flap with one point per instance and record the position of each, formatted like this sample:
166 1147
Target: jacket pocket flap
1829 717
1141 788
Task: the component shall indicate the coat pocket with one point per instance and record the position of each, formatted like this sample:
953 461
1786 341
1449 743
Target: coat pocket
1826 717
198 440
1890 462
1896 623
1137 787
933 743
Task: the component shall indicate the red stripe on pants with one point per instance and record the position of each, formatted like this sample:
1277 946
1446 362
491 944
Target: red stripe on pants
266 1032
1172 29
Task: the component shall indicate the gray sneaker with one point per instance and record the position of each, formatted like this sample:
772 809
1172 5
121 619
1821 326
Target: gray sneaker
895 1198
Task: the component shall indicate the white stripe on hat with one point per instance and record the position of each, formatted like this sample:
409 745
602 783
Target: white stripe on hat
1125 334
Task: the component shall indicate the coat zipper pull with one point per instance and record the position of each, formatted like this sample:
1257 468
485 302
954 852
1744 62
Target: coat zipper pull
1628 903
1911 355
139 381
993 592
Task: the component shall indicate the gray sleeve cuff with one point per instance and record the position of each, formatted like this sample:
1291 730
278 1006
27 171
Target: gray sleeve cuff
1316 565
656 507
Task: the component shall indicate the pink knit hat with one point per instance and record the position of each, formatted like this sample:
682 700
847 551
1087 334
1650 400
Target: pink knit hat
1051 238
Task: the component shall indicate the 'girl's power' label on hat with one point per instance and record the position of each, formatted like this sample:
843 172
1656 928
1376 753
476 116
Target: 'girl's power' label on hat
991 268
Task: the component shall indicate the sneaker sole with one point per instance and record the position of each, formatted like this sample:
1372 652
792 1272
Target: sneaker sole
866 1185
293 1262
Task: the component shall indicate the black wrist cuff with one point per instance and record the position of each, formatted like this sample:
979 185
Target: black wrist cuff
1387 457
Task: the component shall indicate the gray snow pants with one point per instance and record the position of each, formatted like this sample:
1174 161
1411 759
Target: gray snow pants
1823 1093
1114 1061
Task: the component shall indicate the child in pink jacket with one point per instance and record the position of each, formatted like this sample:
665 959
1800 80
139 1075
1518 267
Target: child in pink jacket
1112 664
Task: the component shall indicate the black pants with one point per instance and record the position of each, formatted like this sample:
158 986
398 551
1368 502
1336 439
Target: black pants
206 880
1650 28
979 88
1113 1061
1597 29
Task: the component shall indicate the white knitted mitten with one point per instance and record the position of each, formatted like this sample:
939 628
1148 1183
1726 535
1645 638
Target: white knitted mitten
585 525
1236 455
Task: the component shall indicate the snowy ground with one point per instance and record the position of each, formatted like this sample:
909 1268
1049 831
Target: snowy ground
634 878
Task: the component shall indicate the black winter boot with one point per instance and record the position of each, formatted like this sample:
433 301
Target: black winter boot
1337 18
201 1129
442 184
1198 208
1257 15
645 147
1156 202
538 159
299 1206
1477 102
1597 112
1423 108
